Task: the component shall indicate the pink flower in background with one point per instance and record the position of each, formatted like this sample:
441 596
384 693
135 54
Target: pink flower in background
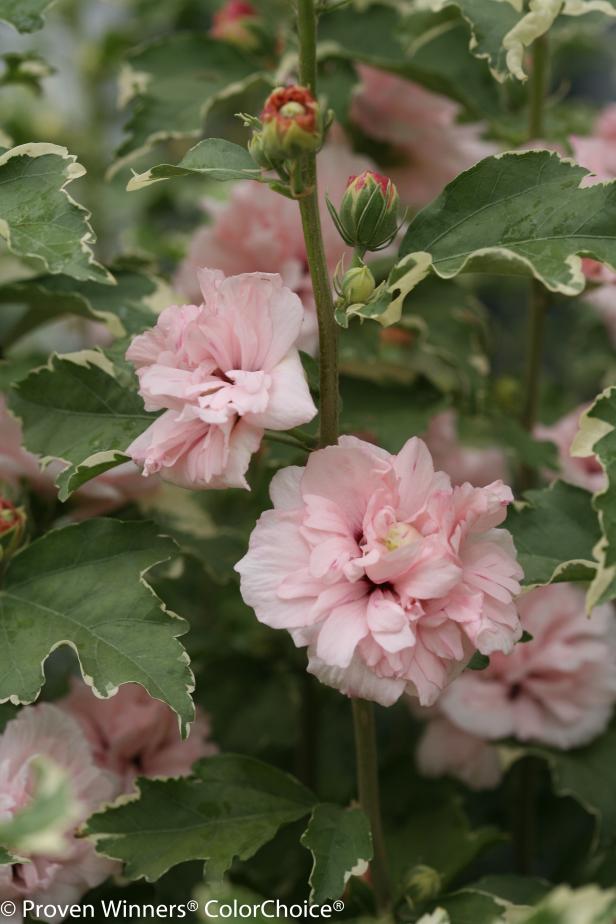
16 463
446 750
223 371
603 298
558 689
109 491
232 22
423 130
479 466
585 472
133 734
258 231
597 152
48 732
389 575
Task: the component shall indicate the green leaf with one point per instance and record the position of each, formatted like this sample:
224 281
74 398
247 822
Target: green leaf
172 83
585 774
437 835
597 435
78 409
339 840
24 15
39 219
214 158
489 24
125 308
427 48
587 905
555 532
468 907
515 214
84 586
41 825
501 32
230 808
25 69
443 340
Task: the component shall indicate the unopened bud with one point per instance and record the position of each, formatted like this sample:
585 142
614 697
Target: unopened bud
235 23
292 124
369 215
12 528
423 883
358 284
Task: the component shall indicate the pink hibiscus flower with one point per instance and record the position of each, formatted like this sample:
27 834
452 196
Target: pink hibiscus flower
389 575
133 734
224 371
558 689
585 472
423 130
48 732
259 231
597 152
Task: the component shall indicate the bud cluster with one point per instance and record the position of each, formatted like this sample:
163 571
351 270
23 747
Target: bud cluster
12 528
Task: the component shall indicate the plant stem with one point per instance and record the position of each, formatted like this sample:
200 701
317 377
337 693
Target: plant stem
524 775
369 796
538 304
315 251
363 713
538 88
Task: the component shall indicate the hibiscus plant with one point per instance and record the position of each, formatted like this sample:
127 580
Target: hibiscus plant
307 439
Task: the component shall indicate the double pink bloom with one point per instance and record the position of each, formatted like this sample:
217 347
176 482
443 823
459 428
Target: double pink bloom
390 576
223 372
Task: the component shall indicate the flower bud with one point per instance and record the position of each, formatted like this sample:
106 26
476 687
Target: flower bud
423 883
369 215
12 527
235 23
292 124
358 284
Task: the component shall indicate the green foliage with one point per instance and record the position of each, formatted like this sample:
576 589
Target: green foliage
24 15
80 410
516 214
84 586
214 158
41 825
39 220
172 83
339 840
555 531
597 436
230 808
126 308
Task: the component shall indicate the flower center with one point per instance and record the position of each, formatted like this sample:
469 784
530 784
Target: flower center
399 535
292 109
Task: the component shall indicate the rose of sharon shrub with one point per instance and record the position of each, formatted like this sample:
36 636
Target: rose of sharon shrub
386 572
256 231
224 372
558 689
47 731
585 472
133 734
422 127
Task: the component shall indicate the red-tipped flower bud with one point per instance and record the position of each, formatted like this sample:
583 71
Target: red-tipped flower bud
292 124
12 526
369 215
235 22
